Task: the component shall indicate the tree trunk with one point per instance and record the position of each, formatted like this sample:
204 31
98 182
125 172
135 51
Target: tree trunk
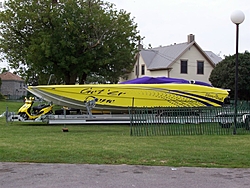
83 78
67 78
70 79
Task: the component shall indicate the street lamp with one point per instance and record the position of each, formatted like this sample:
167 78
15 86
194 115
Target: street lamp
237 17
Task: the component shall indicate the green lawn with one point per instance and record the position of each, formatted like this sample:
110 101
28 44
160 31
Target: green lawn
112 144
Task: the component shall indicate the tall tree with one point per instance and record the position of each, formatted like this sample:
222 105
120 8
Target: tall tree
68 38
223 75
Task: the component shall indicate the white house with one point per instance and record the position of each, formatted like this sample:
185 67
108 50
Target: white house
185 60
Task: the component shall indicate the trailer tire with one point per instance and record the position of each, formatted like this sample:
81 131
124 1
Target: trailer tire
24 116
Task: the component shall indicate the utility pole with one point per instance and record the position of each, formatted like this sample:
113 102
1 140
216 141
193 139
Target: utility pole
138 58
140 47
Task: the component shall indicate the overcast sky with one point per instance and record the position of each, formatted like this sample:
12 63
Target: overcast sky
165 22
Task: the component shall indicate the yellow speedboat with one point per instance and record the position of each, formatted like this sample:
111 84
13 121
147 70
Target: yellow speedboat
121 96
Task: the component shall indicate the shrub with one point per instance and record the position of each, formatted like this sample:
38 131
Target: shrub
2 97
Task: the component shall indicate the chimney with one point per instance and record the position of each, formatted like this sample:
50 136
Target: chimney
190 38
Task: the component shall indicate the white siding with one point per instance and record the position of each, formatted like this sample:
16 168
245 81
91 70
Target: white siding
192 56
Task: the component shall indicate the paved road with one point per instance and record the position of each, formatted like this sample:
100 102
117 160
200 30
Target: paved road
33 175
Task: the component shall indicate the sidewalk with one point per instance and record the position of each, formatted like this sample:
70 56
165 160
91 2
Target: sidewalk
36 175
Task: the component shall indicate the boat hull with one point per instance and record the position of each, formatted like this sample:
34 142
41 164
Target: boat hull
121 96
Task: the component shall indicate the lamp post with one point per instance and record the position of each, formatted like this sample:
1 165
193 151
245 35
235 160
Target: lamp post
237 17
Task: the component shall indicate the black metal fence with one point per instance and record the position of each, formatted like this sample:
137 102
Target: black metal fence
190 121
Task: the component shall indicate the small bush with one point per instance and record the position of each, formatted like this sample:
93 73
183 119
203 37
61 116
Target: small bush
2 97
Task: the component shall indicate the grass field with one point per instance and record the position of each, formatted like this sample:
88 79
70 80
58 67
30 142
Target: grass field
112 144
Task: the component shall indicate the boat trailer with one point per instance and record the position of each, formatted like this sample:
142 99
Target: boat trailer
65 118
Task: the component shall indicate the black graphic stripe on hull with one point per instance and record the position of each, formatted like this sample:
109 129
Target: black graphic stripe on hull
191 96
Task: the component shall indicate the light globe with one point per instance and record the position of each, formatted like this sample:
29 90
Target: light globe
237 17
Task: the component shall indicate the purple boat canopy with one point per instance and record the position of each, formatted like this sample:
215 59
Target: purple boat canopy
163 80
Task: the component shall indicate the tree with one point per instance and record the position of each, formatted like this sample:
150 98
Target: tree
3 70
223 75
70 39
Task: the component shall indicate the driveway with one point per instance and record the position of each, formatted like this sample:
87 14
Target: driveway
36 175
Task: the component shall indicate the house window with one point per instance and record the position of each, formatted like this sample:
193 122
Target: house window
143 70
200 67
136 70
184 66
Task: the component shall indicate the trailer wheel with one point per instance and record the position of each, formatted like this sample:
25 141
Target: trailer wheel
24 116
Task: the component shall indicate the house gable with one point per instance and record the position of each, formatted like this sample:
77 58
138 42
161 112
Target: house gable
165 61
148 56
210 61
192 56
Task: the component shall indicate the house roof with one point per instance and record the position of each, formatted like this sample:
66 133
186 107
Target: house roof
215 58
10 76
163 57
